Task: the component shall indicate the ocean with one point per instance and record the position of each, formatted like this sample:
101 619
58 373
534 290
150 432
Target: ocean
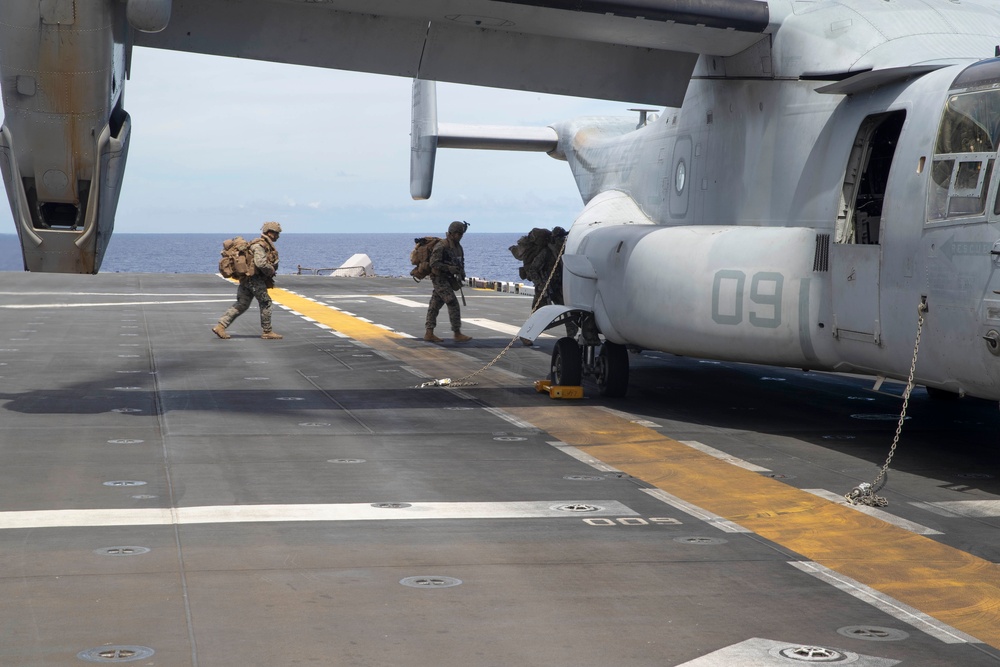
486 255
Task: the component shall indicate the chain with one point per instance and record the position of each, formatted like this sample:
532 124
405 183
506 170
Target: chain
865 493
463 381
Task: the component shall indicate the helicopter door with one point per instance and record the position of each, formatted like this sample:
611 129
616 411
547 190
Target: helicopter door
856 253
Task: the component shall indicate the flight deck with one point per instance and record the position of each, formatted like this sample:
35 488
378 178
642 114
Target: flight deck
169 498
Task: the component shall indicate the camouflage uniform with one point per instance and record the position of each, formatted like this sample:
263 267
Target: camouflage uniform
538 271
554 294
542 264
447 273
265 259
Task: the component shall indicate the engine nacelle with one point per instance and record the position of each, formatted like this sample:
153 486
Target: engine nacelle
722 292
65 134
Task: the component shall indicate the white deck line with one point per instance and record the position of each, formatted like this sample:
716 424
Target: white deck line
507 417
899 522
500 327
25 306
725 525
977 509
891 606
400 301
579 455
69 518
723 456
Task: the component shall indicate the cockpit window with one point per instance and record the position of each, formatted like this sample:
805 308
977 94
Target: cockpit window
964 155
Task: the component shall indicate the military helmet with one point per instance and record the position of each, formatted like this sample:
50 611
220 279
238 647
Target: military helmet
271 227
458 227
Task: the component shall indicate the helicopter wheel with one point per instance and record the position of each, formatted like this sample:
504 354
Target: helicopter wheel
612 370
567 363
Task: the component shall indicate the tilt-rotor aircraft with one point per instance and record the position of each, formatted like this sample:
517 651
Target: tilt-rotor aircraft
820 181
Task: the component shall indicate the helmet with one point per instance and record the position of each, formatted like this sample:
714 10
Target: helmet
271 227
458 227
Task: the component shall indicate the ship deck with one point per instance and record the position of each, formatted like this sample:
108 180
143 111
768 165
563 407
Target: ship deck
169 498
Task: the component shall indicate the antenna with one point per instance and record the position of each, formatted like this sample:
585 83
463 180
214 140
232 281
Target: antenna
645 119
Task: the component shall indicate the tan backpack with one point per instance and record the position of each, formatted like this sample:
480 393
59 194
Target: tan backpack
420 256
237 258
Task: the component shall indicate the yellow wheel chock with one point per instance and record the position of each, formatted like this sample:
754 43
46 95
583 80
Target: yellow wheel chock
558 391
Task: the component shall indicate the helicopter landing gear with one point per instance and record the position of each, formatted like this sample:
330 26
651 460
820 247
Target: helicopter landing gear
607 362
567 363
611 370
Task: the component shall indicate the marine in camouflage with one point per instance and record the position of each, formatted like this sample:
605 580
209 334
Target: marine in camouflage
265 259
447 264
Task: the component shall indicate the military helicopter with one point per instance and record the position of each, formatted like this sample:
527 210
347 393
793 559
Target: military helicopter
810 202
816 189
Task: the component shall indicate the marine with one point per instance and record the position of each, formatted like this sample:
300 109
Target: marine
540 252
265 260
447 273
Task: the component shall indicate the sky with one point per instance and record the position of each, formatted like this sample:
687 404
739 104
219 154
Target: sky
220 144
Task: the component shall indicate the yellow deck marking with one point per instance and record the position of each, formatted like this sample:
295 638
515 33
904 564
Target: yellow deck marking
950 585
345 324
953 586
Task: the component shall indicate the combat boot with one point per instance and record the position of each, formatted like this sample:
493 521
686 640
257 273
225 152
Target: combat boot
430 337
270 335
461 337
220 331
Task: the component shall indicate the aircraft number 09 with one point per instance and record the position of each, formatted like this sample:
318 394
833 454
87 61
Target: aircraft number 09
729 293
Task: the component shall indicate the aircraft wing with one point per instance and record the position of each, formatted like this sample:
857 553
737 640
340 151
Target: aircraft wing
628 50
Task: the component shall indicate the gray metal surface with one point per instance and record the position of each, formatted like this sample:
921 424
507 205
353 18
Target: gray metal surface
263 545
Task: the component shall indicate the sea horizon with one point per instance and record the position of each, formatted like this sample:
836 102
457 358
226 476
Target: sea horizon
486 253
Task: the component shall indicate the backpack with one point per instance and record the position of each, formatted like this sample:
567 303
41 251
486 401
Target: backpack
529 245
237 258
420 256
